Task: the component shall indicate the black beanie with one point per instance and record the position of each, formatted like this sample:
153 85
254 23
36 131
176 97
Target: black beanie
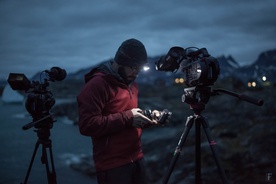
132 52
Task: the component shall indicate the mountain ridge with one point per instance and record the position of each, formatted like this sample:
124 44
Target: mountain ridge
265 65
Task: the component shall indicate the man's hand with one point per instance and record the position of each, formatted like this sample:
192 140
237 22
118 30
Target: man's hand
140 120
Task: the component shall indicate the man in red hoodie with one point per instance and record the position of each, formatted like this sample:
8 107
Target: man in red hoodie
109 114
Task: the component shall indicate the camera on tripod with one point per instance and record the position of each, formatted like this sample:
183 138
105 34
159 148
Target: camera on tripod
39 100
39 103
199 67
200 72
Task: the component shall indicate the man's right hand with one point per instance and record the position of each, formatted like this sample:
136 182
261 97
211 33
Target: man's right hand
140 120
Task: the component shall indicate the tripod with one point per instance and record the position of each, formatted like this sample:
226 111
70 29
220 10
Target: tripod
197 104
43 134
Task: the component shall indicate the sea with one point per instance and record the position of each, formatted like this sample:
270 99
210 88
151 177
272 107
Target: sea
18 145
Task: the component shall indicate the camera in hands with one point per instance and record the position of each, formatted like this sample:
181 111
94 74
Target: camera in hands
161 119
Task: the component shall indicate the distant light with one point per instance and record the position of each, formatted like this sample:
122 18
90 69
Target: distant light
179 80
146 68
251 84
198 70
264 78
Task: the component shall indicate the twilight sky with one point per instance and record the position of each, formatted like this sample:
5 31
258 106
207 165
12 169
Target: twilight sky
36 35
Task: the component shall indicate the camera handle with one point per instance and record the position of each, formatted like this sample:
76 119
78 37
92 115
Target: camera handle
34 123
243 97
43 139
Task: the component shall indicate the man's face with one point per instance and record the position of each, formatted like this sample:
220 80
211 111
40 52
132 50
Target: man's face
128 73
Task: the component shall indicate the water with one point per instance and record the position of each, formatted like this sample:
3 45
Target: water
18 145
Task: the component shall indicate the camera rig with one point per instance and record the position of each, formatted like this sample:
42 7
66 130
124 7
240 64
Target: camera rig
39 103
200 72
199 67
39 100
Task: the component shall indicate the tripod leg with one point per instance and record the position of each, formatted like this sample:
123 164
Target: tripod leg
51 176
188 126
197 122
213 147
31 163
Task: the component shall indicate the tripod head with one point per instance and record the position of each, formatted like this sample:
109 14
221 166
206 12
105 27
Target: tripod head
199 95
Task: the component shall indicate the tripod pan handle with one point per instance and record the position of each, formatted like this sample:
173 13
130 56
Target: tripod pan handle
252 100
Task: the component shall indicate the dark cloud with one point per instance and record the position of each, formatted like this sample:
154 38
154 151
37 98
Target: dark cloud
36 35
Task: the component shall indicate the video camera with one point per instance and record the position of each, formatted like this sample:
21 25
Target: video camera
199 67
39 100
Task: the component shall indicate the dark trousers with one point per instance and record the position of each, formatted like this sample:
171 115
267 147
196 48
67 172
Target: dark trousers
133 173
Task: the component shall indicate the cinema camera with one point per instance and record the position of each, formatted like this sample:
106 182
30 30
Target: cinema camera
198 66
39 100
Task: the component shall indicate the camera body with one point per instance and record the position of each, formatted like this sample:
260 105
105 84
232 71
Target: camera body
162 119
198 66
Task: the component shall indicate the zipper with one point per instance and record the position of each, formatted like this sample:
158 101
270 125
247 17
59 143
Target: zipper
130 92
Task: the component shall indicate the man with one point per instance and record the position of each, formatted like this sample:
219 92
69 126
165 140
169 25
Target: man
108 113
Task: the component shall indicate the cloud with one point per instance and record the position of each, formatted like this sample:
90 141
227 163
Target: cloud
36 35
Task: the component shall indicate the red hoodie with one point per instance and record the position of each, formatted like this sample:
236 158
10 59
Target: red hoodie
105 115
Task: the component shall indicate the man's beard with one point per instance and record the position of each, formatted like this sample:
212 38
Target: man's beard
127 79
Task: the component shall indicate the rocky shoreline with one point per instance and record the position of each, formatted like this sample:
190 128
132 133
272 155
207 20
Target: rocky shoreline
245 136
